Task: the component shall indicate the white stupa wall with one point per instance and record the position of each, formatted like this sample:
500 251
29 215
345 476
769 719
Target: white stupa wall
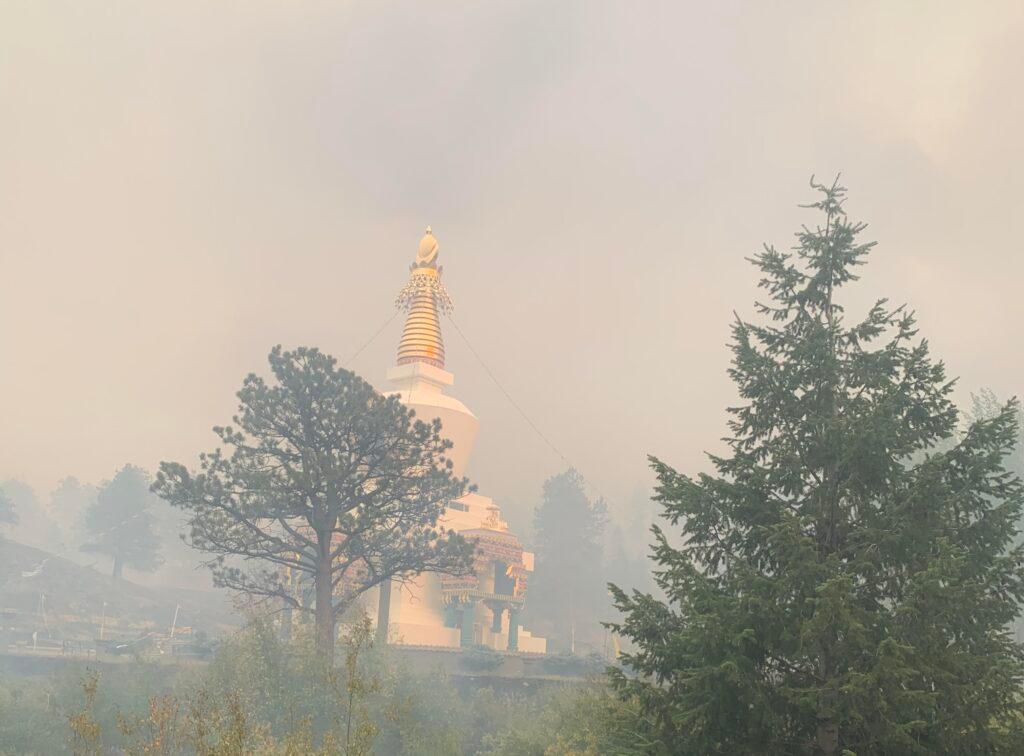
421 388
417 612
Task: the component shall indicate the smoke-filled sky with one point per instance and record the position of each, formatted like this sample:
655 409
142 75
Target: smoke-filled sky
184 185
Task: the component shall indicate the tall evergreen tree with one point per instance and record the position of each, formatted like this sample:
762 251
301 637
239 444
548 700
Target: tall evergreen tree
8 516
568 592
836 589
120 522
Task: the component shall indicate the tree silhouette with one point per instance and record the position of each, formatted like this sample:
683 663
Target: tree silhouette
326 481
568 589
119 523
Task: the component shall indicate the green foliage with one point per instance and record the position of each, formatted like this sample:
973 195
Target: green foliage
572 665
846 580
359 685
27 719
567 592
325 480
122 690
985 405
8 515
261 695
120 522
573 722
201 725
481 658
85 730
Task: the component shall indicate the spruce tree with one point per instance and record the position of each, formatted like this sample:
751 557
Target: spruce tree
845 581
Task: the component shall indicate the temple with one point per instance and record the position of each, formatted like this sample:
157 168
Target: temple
482 609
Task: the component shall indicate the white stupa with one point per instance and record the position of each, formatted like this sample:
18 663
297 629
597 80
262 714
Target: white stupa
437 610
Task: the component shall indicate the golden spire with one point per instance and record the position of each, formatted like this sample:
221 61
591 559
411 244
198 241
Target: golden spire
423 298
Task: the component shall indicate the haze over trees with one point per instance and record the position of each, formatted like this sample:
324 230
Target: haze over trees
848 575
844 581
985 405
568 592
8 516
260 695
324 482
626 548
69 502
120 523
33 526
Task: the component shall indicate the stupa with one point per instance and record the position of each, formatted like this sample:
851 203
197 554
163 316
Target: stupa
482 609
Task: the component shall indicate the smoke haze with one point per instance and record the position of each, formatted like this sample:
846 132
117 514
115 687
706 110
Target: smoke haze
184 185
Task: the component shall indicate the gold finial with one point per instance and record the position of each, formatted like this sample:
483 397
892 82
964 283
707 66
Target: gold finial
427 255
424 299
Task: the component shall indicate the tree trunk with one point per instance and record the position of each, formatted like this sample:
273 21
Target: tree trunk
324 607
384 613
286 621
118 567
828 736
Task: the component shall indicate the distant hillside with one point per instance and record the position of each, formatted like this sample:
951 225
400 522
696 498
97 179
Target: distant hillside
72 598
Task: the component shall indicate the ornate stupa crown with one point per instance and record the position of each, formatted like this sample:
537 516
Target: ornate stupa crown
423 298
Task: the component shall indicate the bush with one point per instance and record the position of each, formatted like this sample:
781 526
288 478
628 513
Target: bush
570 665
29 723
574 721
481 658
262 695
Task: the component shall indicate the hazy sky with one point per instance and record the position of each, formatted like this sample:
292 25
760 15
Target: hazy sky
184 185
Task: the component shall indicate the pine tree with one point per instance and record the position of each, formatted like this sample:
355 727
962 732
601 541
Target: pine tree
568 591
120 522
322 479
846 580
